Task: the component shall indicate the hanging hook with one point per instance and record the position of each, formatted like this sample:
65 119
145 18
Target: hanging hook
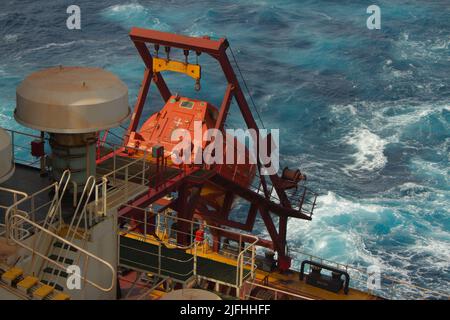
167 52
186 54
198 54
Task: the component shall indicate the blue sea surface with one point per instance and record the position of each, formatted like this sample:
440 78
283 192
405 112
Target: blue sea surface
364 113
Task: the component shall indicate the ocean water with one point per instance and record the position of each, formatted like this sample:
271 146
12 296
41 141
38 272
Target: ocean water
364 113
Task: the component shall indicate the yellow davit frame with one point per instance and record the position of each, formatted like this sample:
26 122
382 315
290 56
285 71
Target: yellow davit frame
192 70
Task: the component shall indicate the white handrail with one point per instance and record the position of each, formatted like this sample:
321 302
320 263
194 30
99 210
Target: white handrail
14 208
88 254
101 189
240 263
72 230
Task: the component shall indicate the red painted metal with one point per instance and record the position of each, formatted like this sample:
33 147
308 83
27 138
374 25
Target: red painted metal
37 148
190 203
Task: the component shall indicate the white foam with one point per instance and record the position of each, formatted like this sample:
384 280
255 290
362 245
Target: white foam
344 109
52 45
10 38
431 49
369 155
327 240
130 7
134 14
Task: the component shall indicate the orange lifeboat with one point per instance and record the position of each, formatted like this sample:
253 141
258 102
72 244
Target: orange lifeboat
182 113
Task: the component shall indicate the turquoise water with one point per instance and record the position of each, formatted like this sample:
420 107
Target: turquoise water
365 114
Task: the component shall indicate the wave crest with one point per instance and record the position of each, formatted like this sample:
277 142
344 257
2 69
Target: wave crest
369 155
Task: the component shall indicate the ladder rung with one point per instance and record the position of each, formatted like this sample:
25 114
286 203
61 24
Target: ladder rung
12 275
64 246
54 257
56 272
42 292
53 284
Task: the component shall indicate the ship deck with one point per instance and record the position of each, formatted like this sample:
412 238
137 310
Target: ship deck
26 179
211 265
219 268
175 263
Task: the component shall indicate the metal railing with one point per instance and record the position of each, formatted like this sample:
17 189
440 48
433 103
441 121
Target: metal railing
22 151
119 180
301 198
16 196
32 204
161 231
21 222
123 181
391 288
17 219
75 229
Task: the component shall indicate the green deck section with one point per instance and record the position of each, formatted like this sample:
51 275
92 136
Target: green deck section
142 255
176 262
217 270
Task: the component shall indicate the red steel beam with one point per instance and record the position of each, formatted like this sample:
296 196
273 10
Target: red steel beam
225 106
270 226
157 78
254 197
139 106
213 47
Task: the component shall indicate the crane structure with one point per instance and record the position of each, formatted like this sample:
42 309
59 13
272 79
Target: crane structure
276 198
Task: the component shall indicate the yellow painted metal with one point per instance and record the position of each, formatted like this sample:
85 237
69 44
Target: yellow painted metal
289 282
27 283
61 296
192 70
12 274
42 292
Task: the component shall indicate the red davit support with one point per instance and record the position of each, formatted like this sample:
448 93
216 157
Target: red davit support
279 196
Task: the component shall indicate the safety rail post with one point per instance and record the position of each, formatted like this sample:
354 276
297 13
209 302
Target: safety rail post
143 167
145 224
159 258
303 199
126 182
253 261
75 193
32 208
114 164
105 194
195 258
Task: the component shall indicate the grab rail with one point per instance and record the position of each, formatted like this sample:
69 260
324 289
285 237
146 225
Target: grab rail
68 243
80 213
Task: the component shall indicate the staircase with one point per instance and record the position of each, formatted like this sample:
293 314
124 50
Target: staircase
28 287
66 255
54 246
